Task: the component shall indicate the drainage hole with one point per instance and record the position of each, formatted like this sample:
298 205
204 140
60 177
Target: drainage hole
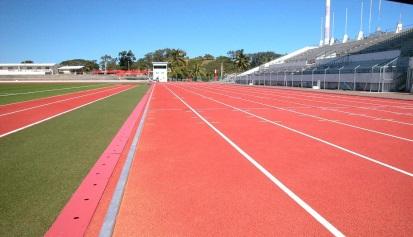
76 217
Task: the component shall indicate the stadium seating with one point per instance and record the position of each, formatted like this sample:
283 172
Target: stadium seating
378 61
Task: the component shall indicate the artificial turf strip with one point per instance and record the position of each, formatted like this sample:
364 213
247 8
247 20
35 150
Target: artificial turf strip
7 88
43 165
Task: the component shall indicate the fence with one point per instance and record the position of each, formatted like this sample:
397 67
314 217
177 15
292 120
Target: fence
379 80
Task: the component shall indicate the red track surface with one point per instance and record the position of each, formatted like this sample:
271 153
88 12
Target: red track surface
20 115
349 158
76 217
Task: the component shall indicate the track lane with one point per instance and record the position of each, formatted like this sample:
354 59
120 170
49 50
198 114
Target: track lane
339 109
391 151
13 122
378 126
187 181
357 196
404 116
366 101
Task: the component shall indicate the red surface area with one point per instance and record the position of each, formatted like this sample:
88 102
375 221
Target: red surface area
76 216
187 180
19 115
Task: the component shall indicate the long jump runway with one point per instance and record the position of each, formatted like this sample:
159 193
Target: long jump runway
18 116
245 161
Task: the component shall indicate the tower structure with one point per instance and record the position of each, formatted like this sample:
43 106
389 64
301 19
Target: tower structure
327 30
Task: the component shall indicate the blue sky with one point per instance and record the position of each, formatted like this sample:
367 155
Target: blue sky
52 31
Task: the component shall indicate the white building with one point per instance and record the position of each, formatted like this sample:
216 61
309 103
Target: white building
73 70
26 68
160 71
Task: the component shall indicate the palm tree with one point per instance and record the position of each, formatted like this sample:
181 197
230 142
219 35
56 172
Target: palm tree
177 57
178 63
241 60
197 71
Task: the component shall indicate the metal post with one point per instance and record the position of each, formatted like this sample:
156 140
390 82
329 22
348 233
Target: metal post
270 79
371 73
339 77
325 74
384 75
285 78
302 71
379 80
292 79
354 77
312 77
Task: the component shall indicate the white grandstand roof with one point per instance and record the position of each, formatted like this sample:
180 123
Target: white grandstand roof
70 67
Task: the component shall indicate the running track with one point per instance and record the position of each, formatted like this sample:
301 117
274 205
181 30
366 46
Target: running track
245 161
17 116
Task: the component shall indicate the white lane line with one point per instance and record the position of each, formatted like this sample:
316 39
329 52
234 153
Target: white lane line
319 118
310 136
330 102
49 97
350 98
56 115
33 92
114 206
264 171
55 102
329 108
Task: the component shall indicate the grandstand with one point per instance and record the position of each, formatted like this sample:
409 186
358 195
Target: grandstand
380 62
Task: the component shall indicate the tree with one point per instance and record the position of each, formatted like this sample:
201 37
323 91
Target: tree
126 59
142 64
260 58
208 57
178 64
27 61
89 65
107 62
228 65
196 70
241 60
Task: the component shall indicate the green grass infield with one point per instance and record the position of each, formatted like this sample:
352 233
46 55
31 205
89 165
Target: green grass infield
43 165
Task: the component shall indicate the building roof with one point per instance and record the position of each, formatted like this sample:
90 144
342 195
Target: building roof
160 63
403 1
27 64
70 67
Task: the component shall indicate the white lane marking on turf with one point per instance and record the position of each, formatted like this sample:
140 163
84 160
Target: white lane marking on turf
49 97
311 136
322 119
110 218
56 115
273 179
55 102
33 92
